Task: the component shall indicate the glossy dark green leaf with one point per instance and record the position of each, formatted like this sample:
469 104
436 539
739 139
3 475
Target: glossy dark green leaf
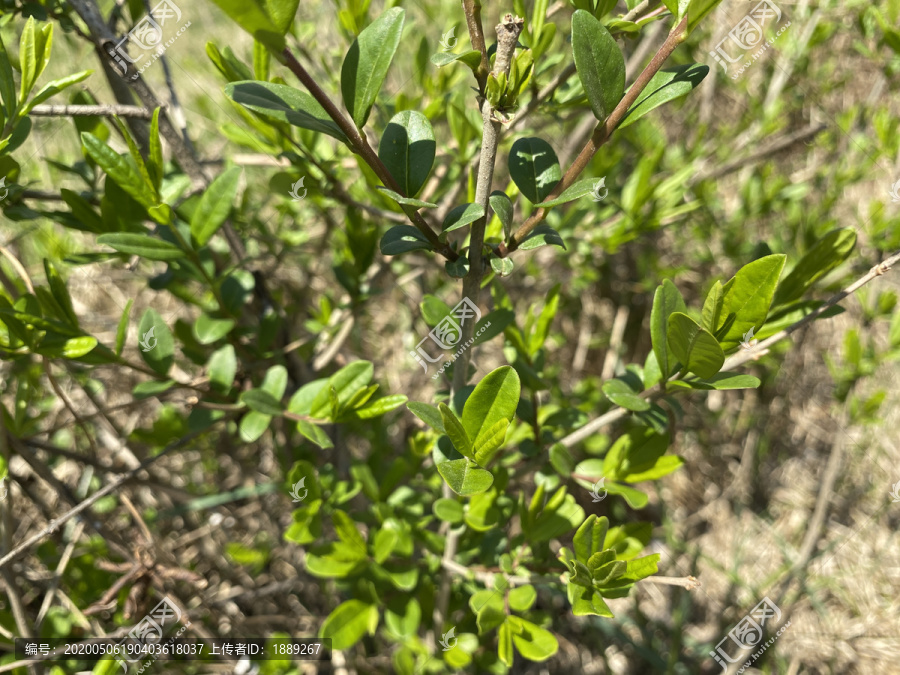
407 149
285 104
367 63
534 168
402 239
462 215
600 64
542 235
502 205
667 85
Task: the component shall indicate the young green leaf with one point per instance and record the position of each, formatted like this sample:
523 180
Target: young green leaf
534 168
502 205
454 429
490 442
697 350
222 368
285 104
502 267
494 398
712 307
407 149
54 87
348 623
119 169
464 477
155 160
576 190
619 392
532 642
748 296
600 64
367 63
406 201
666 300
261 401
122 328
252 16
215 205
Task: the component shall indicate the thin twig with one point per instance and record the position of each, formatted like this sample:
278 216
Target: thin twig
601 134
107 110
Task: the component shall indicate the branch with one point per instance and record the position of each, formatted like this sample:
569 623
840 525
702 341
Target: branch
508 31
361 146
109 110
601 134
741 357
476 36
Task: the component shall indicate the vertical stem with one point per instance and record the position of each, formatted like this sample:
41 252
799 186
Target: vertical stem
508 31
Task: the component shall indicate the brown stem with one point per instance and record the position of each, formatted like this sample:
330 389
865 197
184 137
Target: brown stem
476 36
361 146
601 134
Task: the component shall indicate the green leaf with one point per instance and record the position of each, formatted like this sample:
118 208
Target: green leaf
428 414
827 253
253 425
262 402
471 58
723 381
600 64
407 149
490 442
590 537
666 300
576 190
406 201
697 349
448 510
454 429
215 205
348 623
122 328
7 82
381 406
534 168
635 498
151 388
141 245
667 85
281 12
502 266
624 396
252 16
60 292
54 87
458 268
119 169
698 10
494 398
505 645
222 367
367 63
27 59
464 477
208 330
345 383
522 598
712 307
156 343
76 347
155 160
402 239
502 205
532 642
460 216
542 235
587 601
285 104
663 467
748 296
